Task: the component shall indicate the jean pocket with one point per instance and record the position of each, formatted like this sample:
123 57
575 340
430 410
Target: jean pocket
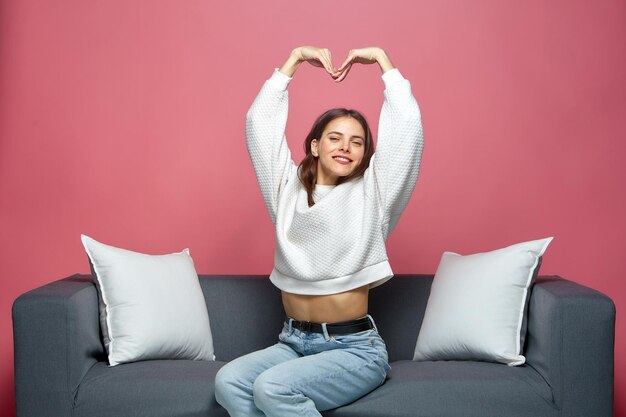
284 334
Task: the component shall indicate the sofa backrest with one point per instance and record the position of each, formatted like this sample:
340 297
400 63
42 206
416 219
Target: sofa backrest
246 312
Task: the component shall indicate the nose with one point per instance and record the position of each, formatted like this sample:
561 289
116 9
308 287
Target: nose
346 145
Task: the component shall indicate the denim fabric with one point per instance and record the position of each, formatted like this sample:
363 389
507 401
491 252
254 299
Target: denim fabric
303 373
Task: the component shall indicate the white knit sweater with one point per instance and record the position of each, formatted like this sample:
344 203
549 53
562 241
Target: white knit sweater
338 244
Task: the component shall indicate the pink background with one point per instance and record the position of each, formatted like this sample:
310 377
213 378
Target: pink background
124 120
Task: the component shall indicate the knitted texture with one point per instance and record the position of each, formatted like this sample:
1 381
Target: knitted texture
338 244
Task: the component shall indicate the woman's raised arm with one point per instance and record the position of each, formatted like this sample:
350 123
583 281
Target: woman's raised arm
394 167
266 121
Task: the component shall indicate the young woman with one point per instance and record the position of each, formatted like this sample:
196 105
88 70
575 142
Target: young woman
332 215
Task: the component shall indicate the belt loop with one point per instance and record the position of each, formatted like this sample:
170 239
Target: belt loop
326 335
290 321
372 320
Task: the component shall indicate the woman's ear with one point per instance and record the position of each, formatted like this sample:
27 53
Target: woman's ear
314 147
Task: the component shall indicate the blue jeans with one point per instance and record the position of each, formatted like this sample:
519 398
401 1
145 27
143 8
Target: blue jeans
303 373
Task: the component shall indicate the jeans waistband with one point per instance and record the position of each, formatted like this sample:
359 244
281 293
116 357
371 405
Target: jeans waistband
364 323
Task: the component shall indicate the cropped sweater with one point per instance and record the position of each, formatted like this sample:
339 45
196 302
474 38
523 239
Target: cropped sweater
337 244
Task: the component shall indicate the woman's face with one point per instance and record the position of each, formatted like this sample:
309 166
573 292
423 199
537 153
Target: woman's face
339 150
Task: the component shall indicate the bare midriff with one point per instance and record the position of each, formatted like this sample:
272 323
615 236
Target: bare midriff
331 308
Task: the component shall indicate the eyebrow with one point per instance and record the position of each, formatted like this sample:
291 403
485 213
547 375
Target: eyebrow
341 134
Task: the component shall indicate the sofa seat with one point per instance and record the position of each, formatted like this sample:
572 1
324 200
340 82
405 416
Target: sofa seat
451 388
155 388
438 388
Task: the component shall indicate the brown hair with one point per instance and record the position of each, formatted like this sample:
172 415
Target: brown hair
307 170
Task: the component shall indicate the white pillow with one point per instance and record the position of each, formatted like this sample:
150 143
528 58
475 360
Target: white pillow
151 306
478 304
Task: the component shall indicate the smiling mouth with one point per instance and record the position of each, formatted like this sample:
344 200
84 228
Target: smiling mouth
342 160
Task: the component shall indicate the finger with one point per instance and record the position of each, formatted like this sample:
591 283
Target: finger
321 59
344 74
343 65
347 61
328 62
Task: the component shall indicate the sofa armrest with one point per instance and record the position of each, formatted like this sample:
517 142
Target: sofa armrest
570 342
57 340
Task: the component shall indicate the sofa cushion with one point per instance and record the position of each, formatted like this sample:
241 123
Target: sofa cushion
455 389
156 388
478 305
151 306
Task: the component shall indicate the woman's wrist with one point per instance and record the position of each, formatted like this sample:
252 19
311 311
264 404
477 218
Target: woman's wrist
292 63
383 61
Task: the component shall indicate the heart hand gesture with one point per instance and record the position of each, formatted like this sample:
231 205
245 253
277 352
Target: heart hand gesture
322 58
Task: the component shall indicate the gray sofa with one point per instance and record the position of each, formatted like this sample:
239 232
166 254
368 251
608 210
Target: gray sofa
61 368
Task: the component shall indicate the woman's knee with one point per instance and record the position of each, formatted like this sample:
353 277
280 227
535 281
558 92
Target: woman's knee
227 379
269 389
222 381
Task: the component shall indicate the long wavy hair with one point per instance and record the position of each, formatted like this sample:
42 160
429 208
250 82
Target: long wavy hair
307 170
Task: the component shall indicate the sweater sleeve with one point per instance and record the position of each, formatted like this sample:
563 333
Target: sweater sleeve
396 163
266 141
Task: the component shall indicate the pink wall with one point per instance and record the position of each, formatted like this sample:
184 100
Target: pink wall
124 120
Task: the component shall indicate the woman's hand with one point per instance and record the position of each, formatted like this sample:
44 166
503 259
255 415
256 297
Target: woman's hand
364 56
318 57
